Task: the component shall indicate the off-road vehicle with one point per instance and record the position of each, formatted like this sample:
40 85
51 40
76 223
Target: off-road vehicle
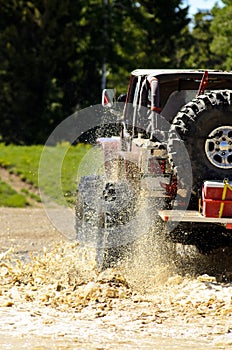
171 163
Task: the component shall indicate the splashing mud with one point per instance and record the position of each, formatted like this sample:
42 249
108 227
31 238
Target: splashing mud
163 297
144 300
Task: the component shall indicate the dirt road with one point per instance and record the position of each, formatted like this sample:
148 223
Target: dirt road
26 230
57 299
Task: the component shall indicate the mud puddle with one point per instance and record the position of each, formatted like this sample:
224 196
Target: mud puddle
59 301
161 299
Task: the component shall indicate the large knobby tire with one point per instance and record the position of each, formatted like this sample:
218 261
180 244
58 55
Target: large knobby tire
103 210
89 216
205 127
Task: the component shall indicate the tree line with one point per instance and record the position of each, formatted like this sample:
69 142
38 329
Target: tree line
57 55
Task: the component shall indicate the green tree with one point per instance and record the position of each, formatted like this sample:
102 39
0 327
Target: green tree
144 34
54 53
199 54
221 29
38 40
164 23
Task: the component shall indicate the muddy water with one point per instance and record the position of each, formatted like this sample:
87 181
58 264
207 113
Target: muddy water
162 297
177 300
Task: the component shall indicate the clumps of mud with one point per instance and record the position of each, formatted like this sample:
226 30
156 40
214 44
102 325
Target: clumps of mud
64 278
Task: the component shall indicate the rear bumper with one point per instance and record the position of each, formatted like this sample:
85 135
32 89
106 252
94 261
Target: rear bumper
193 216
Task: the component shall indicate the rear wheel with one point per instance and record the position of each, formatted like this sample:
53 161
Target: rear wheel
103 211
89 217
205 126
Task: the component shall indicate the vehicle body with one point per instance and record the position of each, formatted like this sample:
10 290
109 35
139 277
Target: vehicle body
172 161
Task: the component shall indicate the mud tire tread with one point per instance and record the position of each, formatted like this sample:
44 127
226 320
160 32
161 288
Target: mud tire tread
186 126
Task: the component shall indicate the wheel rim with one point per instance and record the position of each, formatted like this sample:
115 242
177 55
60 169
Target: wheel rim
218 147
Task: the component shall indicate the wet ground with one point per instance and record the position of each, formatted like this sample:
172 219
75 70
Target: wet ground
56 299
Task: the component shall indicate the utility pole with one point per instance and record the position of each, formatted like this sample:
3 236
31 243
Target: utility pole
105 42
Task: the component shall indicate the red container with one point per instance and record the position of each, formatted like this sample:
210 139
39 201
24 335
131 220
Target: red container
212 192
214 189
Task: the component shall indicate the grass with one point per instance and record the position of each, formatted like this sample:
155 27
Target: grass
31 195
50 168
58 174
10 198
22 161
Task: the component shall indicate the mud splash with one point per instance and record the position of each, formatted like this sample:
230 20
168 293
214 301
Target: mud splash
58 300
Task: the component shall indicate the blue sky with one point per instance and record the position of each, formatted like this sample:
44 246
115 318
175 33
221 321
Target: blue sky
200 4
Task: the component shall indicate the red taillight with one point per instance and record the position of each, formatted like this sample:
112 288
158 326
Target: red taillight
106 100
171 189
